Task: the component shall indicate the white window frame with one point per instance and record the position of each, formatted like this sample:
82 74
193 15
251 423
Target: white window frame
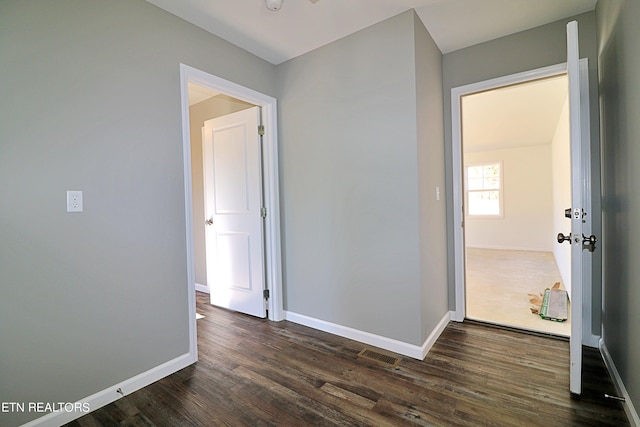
500 190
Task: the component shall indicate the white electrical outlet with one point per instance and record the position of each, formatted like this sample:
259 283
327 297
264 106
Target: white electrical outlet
74 201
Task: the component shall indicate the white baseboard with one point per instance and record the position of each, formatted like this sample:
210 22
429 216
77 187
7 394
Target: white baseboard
629 409
435 334
591 341
111 394
400 347
202 288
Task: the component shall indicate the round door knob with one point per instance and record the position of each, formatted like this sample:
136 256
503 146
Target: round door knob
562 238
209 221
589 240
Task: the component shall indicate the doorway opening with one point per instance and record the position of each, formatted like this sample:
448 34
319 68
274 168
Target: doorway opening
205 96
516 237
515 141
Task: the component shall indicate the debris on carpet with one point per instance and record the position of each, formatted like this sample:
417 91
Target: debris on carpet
551 305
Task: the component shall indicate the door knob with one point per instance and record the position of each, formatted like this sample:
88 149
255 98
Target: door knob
209 221
589 242
562 238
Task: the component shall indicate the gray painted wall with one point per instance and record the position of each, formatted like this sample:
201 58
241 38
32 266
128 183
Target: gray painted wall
536 48
431 175
91 101
619 68
351 181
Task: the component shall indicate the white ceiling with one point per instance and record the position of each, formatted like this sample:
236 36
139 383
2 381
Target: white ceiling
527 114
513 116
301 26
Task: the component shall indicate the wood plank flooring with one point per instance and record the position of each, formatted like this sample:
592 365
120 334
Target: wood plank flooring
253 372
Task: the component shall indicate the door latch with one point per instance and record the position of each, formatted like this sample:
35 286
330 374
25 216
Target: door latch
577 213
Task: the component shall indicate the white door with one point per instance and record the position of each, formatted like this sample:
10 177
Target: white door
233 202
580 177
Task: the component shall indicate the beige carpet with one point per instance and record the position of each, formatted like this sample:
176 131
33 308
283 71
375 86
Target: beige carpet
498 283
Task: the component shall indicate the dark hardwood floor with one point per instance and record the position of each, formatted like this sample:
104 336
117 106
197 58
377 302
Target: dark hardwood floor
258 373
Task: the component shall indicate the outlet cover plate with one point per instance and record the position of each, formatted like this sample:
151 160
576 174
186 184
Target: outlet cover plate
74 201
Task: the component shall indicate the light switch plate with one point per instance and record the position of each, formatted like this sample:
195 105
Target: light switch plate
74 201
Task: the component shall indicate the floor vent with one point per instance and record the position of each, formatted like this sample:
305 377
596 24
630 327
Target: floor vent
379 357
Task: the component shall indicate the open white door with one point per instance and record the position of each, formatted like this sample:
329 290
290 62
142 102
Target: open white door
233 203
578 210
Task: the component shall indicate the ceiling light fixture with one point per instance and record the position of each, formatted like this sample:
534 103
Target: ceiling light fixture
273 5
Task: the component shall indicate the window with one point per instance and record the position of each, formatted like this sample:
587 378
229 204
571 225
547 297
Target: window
484 189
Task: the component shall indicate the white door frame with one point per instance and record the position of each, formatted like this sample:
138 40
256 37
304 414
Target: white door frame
458 195
273 264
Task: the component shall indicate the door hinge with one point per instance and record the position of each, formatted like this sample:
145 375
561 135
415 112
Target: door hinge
265 293
261 130
263 212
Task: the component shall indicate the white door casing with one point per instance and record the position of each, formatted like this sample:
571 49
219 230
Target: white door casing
457 168
273 258
233 202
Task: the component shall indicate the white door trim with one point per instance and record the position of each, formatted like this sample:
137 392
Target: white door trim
271 189
458 196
